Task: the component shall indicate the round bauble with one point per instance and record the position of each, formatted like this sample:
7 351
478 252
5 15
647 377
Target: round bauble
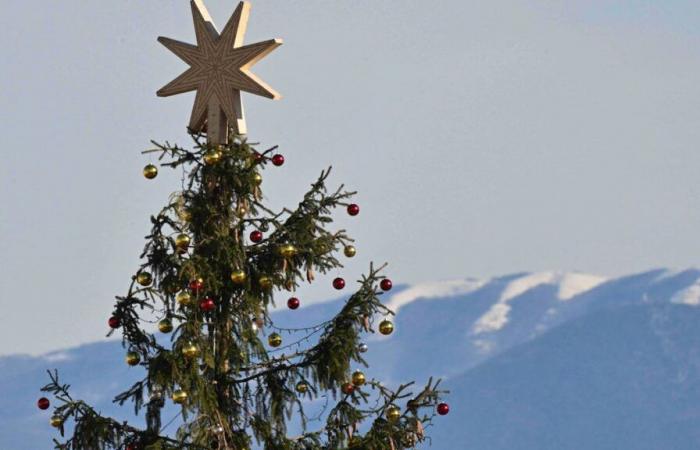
165 326
179 396
287 250
56 421
278 160
182 243
347 388
238 277
256 179
212 156
362 348
443 409
114 322
350 251
256 236
207 304
386 284
265 282
339 283
133 358
302 387
358 378
353 209
184 298
197 284
150 171
43 403
393 413
386 327
275 340
144 279
293 303
190 350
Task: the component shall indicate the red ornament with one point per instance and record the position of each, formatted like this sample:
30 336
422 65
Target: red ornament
386 284
293 303
207 304
258 157
278 160
354 209
114 322
339 283
256 236
197 284
43 403
443 409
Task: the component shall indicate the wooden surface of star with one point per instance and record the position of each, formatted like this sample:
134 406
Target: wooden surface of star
219 70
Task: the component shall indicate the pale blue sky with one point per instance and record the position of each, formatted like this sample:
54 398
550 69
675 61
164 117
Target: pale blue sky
485 137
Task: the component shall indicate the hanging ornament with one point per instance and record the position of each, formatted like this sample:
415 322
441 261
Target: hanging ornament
386 284
212 156
393 413
265 282
443 409
114 322
386 327
190 350
347 388
258 157
275 340
150 171
43 403
302 387
238 277
350 251
256 179
293 303
278 160
287 250
197 284
144 279
179 396
358 378
218 429
339 283
207 304
256 236
182 243
165 326
353 209
56 421
156 395
184 298
133 358
170 284
362 348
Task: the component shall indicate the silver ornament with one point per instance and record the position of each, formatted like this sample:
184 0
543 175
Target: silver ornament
362 348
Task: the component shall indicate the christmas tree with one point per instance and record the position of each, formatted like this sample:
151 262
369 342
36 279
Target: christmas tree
215 261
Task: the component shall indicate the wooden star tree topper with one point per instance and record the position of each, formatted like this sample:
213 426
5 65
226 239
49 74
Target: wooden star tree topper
219 70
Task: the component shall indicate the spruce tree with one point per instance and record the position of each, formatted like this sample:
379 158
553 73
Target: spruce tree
215 262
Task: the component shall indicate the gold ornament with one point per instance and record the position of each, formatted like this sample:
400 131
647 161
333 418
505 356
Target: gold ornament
238 277
179 396
150 171
275 340
184 298
182 243
350 251
358 378
386 327
56 421
190 350
144 279
265 282
133 358
165 326
256 179
212 156
288 250
393 413
302 387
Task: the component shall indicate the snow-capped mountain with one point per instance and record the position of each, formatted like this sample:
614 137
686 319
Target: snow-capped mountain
533 360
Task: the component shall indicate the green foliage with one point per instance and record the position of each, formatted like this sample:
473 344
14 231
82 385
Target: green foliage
239 391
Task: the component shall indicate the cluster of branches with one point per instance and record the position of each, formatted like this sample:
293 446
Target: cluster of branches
238 389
